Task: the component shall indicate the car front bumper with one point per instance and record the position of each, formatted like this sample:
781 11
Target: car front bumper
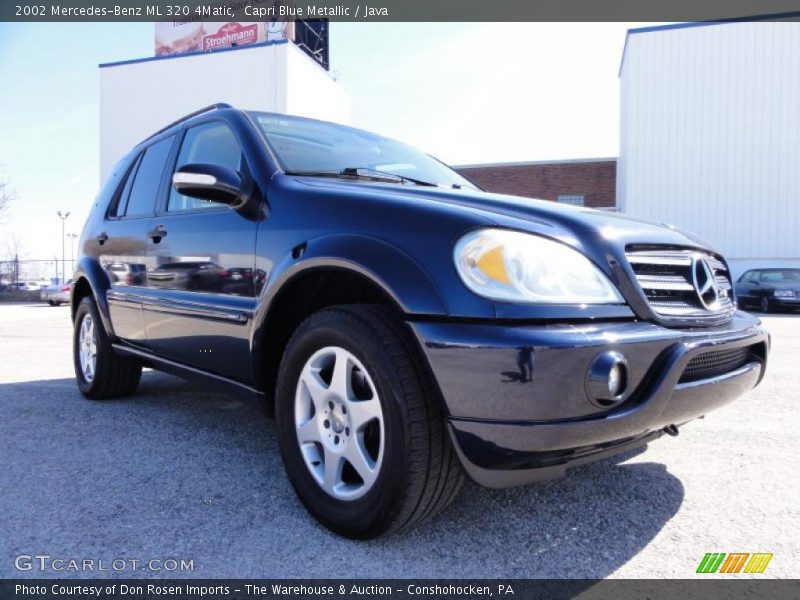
785 302
517 403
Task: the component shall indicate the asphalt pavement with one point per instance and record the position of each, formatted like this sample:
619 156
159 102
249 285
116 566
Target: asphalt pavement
178 472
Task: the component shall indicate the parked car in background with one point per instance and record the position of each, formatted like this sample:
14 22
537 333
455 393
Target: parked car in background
56 295
190 275
769 289
23 286
39 284
404 327
126 273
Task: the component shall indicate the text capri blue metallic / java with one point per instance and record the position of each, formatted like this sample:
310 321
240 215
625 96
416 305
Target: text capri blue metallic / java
402 326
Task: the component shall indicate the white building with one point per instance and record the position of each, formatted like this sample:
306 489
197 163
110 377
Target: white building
138 97
710 135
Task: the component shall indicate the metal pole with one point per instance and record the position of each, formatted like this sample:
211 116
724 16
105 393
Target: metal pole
63 218
63 254
72 237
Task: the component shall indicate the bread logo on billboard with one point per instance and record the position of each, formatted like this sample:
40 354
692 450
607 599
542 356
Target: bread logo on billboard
231 34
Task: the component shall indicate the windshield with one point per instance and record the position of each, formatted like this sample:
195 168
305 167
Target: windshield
309 146
785 275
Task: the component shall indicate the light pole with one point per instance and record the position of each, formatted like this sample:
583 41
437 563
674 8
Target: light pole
63 216
72 237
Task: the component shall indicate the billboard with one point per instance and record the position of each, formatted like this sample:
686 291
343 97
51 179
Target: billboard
179 37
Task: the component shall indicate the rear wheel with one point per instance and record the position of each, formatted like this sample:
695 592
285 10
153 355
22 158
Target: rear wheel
361 433
764 304
100 373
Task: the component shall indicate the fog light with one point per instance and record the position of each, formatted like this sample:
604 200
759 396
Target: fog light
607 379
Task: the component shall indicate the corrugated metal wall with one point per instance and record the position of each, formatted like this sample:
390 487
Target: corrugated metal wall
710 136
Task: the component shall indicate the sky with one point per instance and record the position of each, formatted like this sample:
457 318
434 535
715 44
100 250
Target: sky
464 92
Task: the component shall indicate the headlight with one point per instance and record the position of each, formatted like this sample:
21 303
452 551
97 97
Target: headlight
784 294
520 267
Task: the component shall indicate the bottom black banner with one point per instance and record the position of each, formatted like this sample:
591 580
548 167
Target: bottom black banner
406 589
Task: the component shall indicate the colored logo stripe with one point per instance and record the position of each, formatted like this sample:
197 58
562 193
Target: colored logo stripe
758 563
711 562
734 562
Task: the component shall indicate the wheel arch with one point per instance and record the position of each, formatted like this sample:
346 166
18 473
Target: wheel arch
91 280
341 269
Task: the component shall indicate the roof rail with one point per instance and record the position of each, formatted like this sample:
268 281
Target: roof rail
217 106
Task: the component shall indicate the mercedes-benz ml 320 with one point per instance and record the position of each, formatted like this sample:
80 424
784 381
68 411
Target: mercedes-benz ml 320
403 326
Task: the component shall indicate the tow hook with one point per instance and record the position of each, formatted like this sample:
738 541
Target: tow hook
671 430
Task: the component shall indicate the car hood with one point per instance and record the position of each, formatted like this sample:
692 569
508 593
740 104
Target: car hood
565 222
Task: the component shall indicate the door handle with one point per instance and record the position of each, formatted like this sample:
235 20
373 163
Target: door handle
102 238
157 233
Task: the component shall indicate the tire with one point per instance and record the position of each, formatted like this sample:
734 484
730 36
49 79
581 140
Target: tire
51 302
416 472
112 376
764 304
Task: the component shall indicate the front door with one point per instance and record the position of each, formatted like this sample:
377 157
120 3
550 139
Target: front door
201 258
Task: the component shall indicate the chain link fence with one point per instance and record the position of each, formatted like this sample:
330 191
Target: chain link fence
35 273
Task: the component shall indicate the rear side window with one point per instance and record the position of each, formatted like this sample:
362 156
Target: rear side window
210 143
139 195
122 201
114 180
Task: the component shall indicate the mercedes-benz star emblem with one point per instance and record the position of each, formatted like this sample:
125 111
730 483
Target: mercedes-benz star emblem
705 284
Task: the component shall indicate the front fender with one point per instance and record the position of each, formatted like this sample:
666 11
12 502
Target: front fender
389 268
89 270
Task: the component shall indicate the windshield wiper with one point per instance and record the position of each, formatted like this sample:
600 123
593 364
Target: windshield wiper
363 173
357 172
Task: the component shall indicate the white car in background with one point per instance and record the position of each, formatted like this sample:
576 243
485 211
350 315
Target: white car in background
36 284
55 295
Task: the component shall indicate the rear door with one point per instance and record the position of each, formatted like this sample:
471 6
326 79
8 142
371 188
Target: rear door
201 258
120 245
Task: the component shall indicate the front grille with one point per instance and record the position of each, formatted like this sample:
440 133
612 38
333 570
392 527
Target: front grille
665 276
714 363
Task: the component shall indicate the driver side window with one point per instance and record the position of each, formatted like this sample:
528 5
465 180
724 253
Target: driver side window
210 143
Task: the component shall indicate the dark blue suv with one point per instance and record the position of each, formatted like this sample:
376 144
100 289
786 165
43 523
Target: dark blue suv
402 326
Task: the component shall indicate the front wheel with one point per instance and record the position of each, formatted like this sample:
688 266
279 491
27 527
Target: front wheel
764 304
100 373
361 433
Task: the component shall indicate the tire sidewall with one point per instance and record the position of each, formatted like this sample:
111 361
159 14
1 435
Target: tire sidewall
364 516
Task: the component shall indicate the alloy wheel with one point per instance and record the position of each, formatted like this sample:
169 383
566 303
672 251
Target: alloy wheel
87 348
339 423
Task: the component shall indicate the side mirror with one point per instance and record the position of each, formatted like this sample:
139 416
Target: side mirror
215 183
